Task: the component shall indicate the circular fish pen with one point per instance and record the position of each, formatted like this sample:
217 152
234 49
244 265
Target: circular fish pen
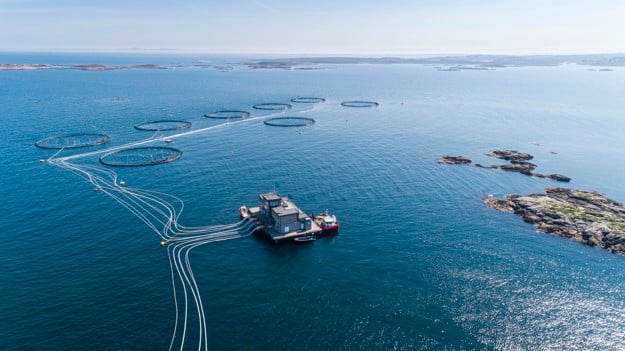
289 122
141 156
73 141
273 106
308 100
358 103
163 125
227 114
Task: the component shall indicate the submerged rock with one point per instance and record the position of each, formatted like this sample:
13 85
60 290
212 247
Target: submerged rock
584 216
479 165
454 160
559 177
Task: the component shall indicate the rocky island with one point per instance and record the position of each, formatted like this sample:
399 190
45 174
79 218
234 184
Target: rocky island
587 217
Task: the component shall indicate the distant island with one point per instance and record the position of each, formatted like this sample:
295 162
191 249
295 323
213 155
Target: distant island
88 67
452 63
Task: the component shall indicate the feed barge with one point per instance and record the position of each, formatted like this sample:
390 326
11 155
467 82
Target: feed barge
281 220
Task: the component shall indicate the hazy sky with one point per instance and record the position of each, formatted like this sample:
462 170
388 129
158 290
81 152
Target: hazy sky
322 26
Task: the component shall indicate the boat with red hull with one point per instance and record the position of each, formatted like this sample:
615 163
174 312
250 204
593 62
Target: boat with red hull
327 222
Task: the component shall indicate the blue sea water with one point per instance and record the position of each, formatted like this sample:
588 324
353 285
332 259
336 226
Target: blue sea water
420 262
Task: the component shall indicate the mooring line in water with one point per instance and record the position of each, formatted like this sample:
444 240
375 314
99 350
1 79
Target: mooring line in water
173 286
188 279
105 188
55 154
131 200
154 209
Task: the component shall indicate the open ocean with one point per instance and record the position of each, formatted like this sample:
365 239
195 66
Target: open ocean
420 262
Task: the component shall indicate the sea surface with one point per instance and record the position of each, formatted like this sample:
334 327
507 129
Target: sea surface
420 262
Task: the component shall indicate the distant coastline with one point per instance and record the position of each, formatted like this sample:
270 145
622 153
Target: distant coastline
89 67
450 63
596 62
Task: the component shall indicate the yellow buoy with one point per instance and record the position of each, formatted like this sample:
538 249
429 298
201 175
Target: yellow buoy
122 183
163 243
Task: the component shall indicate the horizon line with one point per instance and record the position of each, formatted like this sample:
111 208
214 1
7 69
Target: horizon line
172 51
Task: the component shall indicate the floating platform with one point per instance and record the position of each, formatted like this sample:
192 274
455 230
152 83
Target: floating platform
281 220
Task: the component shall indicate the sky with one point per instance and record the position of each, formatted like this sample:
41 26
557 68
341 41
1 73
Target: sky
316 27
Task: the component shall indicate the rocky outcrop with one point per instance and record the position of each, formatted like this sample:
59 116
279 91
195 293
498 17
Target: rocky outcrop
523 168
519 163
454 160
510 155
584 216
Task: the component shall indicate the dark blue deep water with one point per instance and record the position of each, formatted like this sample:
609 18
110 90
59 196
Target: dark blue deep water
419 263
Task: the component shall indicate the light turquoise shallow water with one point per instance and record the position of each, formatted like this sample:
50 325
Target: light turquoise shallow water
420 263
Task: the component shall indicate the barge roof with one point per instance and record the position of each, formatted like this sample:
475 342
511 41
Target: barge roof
270 197
285 211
